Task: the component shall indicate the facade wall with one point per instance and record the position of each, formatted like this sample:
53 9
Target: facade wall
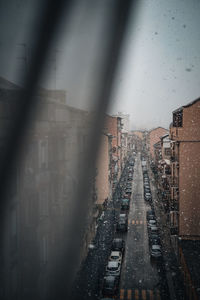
189 189
185 169
154 137
40 198
113 126
103 183
139 134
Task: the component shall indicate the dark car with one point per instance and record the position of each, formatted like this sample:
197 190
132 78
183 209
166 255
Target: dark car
118 244
128 191
147 196
110 286
150 214
122 224
147 189
125 204
154 239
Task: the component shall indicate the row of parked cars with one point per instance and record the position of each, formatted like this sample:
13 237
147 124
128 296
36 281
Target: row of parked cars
154 238
147 189
153 231
126 192
113 269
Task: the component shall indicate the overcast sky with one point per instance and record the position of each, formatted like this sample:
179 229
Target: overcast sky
161 66
159 70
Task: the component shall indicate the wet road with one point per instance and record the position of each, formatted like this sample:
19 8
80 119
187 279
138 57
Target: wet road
140 278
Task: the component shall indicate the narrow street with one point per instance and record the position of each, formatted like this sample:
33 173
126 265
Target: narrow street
140 278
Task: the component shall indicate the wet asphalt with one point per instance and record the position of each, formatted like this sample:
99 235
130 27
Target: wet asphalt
141 278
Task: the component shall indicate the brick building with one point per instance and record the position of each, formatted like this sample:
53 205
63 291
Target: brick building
154 137
113 127
185 193
185 165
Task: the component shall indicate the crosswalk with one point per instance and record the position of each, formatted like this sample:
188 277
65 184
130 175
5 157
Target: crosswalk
139 294
137 222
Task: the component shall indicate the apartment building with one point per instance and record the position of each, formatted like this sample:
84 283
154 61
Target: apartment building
153 138
40 198
103 178
185 192
113 127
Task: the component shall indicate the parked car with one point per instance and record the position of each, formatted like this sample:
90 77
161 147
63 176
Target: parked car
110 286
153 229
154 239
147 196
126 196
113 268
116 256
128 191
122 224
151 223
118 244
147 189
125 204
150 214
130 178
129 185
156 251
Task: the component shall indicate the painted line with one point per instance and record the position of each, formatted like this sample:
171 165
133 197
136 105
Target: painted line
121 294
136 295
129 294
144 297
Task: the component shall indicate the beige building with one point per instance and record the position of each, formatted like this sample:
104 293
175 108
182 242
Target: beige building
103 178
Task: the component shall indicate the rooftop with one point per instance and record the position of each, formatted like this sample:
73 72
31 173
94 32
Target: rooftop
187 105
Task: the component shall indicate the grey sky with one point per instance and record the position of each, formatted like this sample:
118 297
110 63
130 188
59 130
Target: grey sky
160 67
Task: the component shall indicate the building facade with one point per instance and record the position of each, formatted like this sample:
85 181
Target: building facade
185 193
40 197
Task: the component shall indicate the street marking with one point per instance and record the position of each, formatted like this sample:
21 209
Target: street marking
129 294
121 294
144 295
151 294
158 294
136 295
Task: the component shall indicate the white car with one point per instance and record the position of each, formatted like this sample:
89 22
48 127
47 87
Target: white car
113 268
116 256
156 251
151 223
